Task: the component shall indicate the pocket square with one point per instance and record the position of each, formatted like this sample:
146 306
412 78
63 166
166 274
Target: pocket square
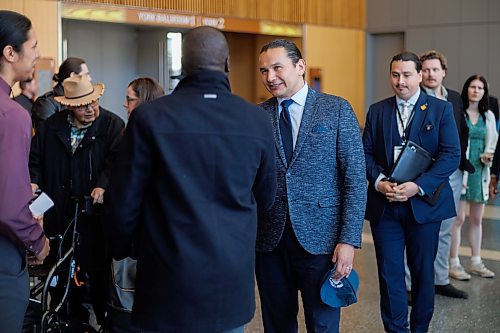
318 129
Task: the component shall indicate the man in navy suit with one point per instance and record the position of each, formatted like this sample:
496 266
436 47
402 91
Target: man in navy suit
408 215
318 212
195 167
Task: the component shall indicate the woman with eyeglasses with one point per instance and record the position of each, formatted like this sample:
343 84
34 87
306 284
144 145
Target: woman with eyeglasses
141 90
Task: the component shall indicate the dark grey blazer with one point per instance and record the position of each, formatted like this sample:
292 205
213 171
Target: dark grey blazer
325 184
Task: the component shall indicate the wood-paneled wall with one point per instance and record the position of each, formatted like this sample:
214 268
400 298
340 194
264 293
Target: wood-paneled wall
339 53
339 13
43 16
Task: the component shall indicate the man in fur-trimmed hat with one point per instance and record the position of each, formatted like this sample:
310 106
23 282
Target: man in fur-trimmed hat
82 98
70 158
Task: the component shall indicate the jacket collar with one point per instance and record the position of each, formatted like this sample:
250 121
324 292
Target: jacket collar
58 89
4 87
306 122
204 79
63 128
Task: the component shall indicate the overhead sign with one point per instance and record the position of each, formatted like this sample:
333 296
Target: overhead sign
116 14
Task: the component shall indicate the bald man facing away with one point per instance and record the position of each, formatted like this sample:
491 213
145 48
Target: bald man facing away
195 169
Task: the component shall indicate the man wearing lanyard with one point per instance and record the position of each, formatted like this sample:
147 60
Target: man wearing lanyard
403 216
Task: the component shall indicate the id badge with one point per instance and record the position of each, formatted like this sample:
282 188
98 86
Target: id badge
397 152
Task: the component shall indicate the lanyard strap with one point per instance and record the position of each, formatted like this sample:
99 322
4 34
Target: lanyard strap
405 127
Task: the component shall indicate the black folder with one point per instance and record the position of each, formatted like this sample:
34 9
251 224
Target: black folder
411 163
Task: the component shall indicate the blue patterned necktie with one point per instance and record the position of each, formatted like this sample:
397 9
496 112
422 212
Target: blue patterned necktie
286 130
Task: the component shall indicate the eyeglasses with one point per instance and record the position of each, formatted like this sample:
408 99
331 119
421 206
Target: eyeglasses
130 99
84 108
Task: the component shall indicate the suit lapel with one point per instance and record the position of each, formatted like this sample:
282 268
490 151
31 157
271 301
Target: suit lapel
387 119
306 122
421 112
272 108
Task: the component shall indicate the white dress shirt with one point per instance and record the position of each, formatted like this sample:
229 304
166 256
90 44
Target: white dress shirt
296 110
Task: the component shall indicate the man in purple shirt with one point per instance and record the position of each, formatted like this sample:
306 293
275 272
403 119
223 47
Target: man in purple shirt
19 231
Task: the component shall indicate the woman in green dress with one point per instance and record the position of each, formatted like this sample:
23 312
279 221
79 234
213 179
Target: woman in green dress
482 142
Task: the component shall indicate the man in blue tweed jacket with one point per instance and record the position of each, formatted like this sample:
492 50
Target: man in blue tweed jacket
318 212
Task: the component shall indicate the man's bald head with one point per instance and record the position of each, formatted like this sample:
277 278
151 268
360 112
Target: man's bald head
204 48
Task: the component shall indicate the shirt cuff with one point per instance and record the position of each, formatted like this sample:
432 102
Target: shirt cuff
36 246
421 192
379 178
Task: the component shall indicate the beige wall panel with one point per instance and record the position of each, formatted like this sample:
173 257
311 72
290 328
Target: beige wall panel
242 64
340 54
43 15
14 5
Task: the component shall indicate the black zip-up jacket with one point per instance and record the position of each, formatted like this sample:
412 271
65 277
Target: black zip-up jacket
45 106
65 176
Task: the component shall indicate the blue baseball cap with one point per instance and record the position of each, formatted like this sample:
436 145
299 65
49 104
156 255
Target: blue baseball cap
341 293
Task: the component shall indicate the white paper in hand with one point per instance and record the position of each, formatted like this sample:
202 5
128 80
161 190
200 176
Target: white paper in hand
41 204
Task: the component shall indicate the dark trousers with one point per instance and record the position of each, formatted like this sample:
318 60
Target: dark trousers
281 274
14 286
396 230
240 329
120 322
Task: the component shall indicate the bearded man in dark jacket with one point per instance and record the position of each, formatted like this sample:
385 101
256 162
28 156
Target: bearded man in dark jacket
69 160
